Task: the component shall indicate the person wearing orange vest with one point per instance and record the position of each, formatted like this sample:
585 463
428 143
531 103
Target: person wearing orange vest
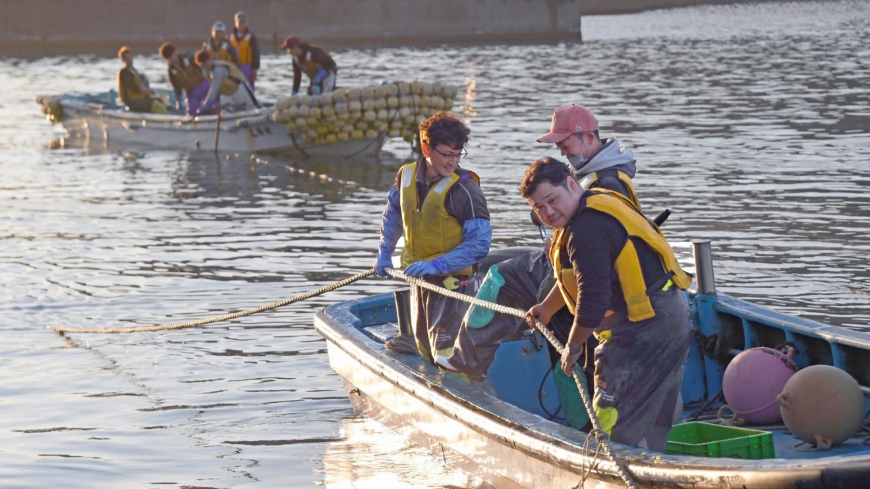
315 62
247 48
218 46
133 87
619 277
229 90
442 213
185 76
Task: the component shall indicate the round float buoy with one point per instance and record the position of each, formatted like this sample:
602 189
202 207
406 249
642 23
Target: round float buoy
752 381
822 405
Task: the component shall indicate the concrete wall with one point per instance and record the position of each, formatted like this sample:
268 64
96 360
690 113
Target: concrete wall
53 22
71 26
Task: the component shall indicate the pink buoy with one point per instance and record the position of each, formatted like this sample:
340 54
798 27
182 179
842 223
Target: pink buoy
752 381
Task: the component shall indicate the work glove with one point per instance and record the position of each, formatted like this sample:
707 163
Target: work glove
207 107
423 268
315 90
383 261
294 92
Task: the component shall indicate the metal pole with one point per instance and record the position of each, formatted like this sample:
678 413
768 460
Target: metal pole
403 311
704 267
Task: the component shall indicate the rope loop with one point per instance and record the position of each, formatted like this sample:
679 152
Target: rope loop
603 442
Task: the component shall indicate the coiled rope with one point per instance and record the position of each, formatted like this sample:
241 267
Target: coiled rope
597 431
217 319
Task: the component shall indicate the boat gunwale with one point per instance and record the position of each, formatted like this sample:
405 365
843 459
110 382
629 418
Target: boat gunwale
541 438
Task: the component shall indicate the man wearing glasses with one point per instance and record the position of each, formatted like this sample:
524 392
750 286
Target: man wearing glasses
442 213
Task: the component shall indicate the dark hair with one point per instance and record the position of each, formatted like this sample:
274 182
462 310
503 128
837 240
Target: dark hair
202 57
166 50
444 128
594 133
543 170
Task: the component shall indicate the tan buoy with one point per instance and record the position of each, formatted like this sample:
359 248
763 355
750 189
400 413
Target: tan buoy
822 405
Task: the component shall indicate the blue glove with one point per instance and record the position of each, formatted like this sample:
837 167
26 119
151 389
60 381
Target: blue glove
423 268
383 261
294 92
206 107
315 90
319 76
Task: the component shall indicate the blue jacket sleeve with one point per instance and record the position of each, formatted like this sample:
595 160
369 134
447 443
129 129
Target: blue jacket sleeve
391 224
476 238
320 75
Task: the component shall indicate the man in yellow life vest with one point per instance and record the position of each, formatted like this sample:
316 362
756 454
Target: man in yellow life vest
523 280
218 46
185 76
247 48
618 275
228 88
442 213
134 90
315 62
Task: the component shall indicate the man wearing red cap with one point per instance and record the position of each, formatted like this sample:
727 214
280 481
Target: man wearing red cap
526 279
315 62
602 163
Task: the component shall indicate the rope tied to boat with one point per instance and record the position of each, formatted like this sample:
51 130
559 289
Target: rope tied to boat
597 431
217 319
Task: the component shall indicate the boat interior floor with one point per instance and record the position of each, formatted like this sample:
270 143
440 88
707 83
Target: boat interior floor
786 446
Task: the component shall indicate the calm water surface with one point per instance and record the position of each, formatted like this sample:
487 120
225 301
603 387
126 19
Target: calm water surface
751 123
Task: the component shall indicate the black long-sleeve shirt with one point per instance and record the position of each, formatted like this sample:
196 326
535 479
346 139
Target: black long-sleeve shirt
595 240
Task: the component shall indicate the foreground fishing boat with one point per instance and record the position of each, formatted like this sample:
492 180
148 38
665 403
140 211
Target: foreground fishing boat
511 442
346 123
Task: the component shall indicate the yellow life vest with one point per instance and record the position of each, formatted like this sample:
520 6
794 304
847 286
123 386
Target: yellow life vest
307 64
429 230
221 53
243 47
188 74
628 270
590 180
131 92
229 84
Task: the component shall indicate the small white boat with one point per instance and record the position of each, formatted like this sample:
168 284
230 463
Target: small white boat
98 119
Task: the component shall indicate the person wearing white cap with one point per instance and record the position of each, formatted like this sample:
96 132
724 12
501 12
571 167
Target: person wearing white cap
247 47
218 47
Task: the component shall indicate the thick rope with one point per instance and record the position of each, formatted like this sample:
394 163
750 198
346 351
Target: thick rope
225 317
597 431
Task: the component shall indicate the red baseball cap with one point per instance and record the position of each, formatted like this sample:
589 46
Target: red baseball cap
290 42
569 120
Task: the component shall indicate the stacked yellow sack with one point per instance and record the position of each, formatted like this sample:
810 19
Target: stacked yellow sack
394 110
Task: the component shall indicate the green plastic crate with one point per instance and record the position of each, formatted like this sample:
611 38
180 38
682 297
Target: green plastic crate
711 440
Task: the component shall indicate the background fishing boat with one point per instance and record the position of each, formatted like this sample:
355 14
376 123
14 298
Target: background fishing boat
346 123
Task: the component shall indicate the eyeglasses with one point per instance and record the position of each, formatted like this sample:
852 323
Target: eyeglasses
458 156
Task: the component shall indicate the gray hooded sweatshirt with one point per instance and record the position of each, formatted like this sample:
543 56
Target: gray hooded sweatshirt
610 157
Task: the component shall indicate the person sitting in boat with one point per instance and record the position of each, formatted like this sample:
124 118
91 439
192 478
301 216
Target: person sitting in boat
186 76
218 47
625 286
229 90
315 62
521 281
247 48
443 214
133 92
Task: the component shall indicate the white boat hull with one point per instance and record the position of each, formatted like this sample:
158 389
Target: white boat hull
251 131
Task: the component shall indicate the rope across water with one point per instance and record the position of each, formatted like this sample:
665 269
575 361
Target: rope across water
597 431
217 319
